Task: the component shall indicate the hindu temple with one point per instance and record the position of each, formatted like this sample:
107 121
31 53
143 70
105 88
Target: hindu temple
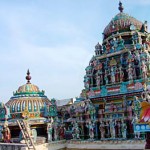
112 111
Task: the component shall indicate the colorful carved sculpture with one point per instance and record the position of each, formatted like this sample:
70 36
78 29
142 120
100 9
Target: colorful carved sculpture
123 129
91 126
49 131
102 129
6 133
112 124
144 70
75 131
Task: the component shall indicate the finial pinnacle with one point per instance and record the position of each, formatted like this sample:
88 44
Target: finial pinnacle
120 7
28 77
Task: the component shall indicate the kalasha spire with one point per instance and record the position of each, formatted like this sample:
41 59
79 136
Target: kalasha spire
120 7
28 77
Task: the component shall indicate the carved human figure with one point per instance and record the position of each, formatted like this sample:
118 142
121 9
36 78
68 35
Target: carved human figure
130 57
137 56
72 110
120 43
137 67
87 82
112 106
6 133
90 109
123 129
136 120
98 80
121 74
115 44
62 132
117 75
123 61
136 106
112 75
91 126
129 110
76 131
112 129
144 70
107 129
49 131
119 128
102 129
56 129
130 72
108 46
106 63
100 113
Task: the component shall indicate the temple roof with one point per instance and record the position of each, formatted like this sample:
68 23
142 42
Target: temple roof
28 89
120 23
28 97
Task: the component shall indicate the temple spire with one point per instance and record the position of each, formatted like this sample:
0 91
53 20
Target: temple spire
28 77
120 7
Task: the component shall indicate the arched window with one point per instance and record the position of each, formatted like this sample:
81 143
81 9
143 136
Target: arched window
23 106
29 106
35 106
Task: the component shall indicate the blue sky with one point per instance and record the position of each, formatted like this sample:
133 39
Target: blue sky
55 39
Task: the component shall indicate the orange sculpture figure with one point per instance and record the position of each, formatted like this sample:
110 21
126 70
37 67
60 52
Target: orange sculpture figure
6 133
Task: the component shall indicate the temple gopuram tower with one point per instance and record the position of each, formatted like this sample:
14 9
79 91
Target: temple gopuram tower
119 71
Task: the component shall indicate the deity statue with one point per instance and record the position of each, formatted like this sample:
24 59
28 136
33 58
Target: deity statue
106 64
123 61
76 131
107 129
130 72
130 57
86 82
115 44
113 108
137 56
98 80
136 120
136 105
112 75
91 127
117 75
137 41
118 124
102 129
62 132
49 131
121 74
137 67
89 108
108 46
56 129
120 43
123 129
72 110
144 70
101 78
6 133
112 128
129 110
100 113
